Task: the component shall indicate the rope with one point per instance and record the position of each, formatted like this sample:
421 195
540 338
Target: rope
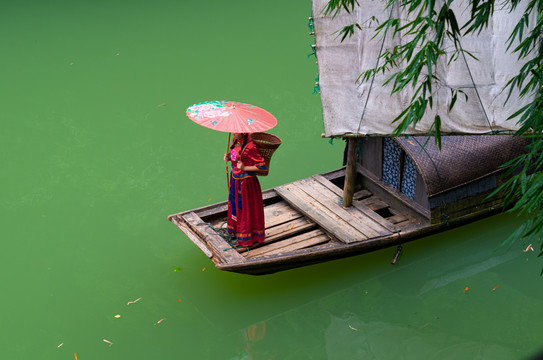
222 232
475 86
375 72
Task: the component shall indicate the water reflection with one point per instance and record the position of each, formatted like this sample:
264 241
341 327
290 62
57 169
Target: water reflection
413 310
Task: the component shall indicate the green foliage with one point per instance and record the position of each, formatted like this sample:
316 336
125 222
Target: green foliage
412 64
335 6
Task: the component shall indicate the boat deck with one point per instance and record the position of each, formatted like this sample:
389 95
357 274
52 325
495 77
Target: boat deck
305 223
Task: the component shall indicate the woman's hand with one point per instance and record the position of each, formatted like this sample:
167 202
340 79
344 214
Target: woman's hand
241 166
226 157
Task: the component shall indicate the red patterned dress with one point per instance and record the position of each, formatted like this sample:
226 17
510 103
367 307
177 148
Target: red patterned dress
245 205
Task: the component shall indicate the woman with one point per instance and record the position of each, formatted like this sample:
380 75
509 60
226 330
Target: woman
245 205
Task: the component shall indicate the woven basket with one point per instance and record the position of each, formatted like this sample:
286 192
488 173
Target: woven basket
267 144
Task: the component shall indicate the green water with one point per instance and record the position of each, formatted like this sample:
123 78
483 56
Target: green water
96 151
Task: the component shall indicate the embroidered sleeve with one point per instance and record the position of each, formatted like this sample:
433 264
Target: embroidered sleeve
253 156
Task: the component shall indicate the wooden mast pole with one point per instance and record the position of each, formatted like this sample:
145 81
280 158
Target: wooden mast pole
350 172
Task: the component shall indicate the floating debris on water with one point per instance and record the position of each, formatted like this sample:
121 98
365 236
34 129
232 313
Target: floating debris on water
131 302
423 326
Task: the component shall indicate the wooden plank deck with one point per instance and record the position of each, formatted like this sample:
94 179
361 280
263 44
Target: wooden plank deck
318 213
301 241
300 215
319 200
359 205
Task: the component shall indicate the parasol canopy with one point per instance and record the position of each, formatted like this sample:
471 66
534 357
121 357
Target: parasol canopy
231 116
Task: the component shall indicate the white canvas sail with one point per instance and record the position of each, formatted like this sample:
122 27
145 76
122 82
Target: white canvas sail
369 108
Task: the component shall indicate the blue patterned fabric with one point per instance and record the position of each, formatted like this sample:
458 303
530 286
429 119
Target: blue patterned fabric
391 162
409 178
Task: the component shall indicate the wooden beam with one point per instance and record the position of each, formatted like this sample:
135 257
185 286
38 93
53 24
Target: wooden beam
192 236
359 205
285 230
288 229
279 213
350 173
330 200
218 245
315 211
297 242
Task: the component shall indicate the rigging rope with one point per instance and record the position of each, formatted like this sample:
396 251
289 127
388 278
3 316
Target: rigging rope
475 86
375 72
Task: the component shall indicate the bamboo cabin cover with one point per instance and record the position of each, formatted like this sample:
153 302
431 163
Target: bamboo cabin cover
453 181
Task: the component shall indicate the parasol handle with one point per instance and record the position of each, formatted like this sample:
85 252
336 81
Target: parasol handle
227 175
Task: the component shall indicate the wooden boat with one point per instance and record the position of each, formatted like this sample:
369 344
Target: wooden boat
306 222
392 190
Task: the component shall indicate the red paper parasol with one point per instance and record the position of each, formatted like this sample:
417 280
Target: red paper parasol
231 116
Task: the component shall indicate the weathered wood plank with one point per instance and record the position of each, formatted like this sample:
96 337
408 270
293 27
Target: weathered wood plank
334 174
330 201
366 211
395 219
360 211
296 240
289 228
374 203
362 194
404 224
315 211
192 236
317 240
218 245
284 230
279 213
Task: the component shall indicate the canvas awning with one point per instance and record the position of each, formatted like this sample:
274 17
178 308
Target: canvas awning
353 108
